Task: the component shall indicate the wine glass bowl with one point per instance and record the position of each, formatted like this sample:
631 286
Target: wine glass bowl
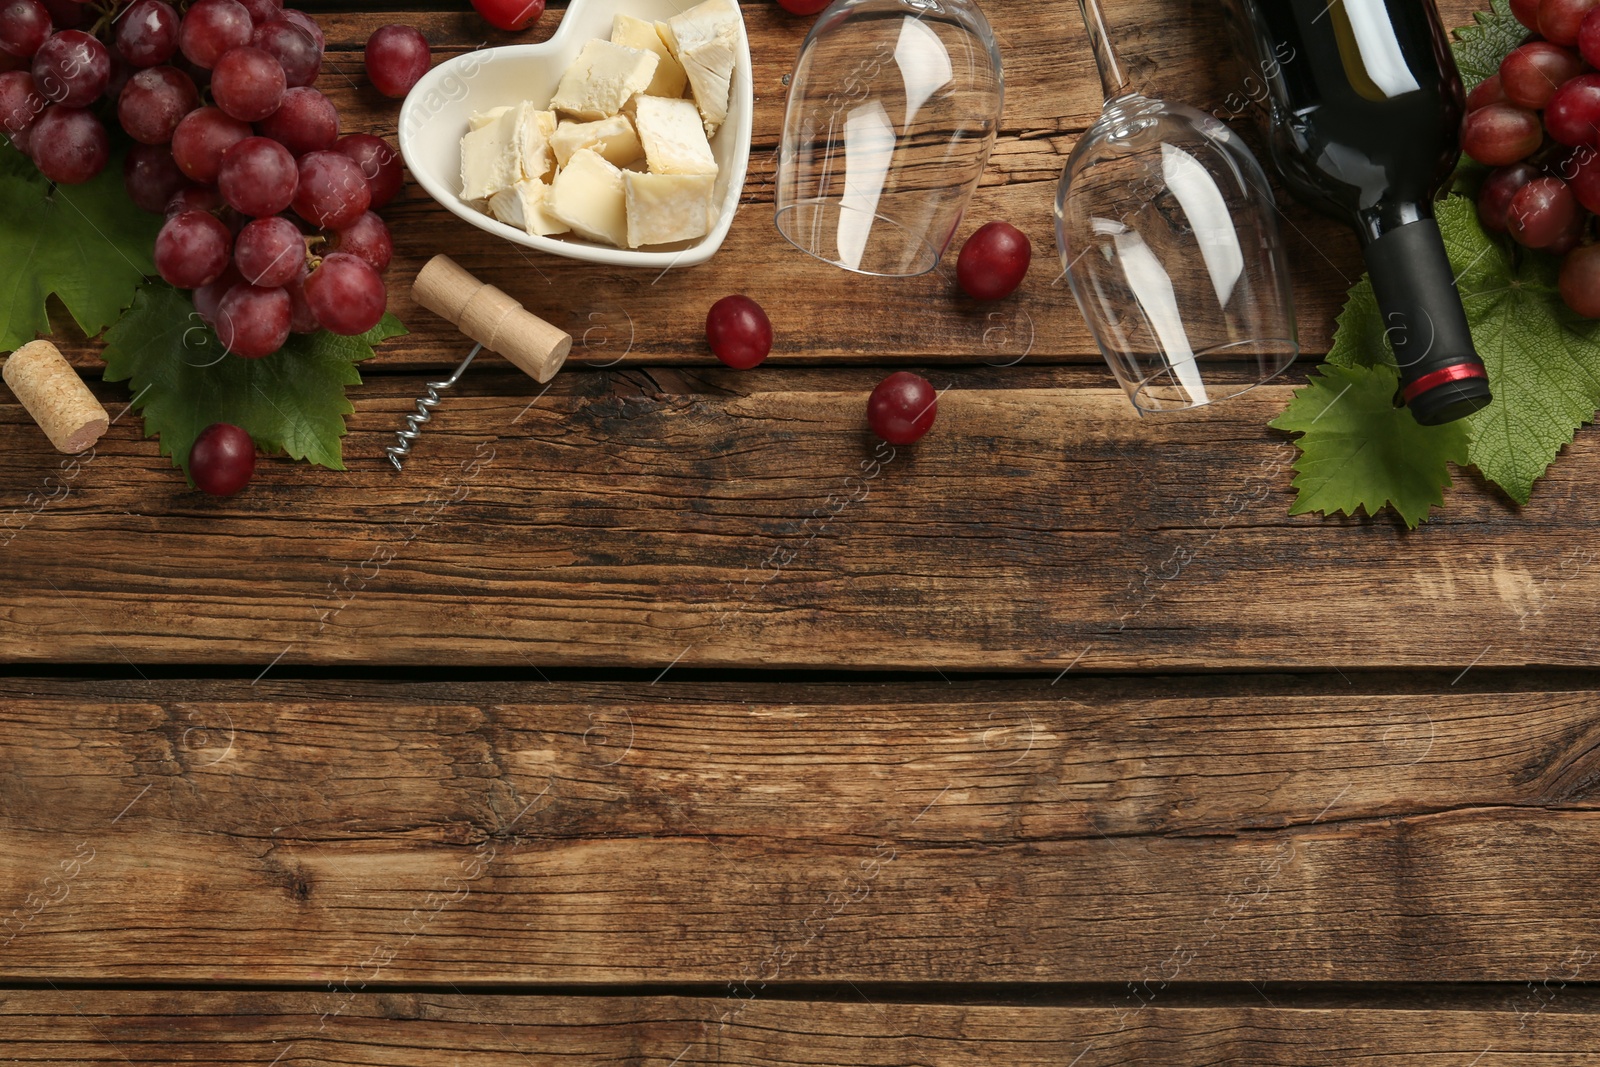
1169 239
1168 236
894 106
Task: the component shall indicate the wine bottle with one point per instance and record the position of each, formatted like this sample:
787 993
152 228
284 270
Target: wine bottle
1364 106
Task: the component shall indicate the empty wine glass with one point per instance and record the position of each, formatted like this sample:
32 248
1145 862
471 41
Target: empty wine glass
893 108
1169 237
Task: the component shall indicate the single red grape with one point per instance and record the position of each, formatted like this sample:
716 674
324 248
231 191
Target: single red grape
739 332
252 321
20 103
1494 199
1573 114
258 177
305 122
1501 134
72 69
270 252
803 7
248 83
24 26
902 408
509 14
1580 281
368 238
68 145
332 192
1532 73
994 261
222 459
1560 20
1589 37
192 249
202 137
307 23
346 294
154 101
1489 91
1541 212
147 32
397 57
210 28
151 176
380 164
293 47
1527 13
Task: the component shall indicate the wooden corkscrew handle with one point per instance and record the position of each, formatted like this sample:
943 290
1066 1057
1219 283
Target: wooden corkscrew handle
491 318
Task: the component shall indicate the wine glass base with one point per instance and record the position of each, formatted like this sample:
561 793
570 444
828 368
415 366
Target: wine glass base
857 242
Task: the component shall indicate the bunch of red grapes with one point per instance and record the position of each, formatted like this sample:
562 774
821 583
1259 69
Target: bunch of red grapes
269 211
1537 122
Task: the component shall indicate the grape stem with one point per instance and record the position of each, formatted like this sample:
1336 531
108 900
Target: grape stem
313 261
108 16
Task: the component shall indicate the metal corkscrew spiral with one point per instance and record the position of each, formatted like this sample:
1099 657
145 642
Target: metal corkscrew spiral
398 451
491 318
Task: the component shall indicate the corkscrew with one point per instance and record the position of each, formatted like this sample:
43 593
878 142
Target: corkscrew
492 319
398 451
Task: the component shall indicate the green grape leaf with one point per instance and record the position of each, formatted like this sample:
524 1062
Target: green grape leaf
1358 337
1357 450
1479 48
86 244
183 381
1544 361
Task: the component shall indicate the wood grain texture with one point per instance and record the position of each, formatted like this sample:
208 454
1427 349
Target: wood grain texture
423 1030
217 831
822 314
719 519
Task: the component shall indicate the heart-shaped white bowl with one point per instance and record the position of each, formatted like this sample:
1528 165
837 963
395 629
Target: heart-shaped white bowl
433 120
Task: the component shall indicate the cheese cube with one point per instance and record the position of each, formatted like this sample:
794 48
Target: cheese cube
588 196
489 159
533 132
637 33
480 119
705 39
602 79
614 138
524 205
674 139
663 208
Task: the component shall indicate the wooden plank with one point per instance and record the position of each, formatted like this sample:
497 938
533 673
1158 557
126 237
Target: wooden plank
217 831
49 1028
716 519
822 314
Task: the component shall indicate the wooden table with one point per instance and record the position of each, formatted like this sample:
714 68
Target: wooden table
1057 743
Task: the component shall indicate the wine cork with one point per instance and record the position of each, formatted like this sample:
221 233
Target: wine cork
491 318
55 396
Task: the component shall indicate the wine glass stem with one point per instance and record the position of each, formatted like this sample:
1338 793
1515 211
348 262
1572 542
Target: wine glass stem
1113 78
